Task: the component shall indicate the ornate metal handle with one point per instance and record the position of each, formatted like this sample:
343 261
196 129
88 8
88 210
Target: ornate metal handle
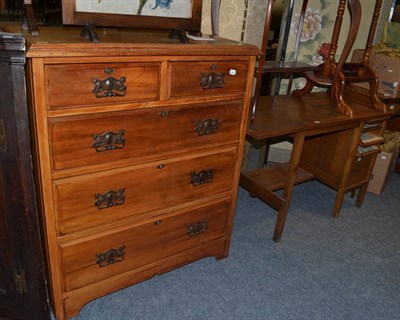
111 256
109 87
109 199
212 80
202 177
197 228
207 126
109 141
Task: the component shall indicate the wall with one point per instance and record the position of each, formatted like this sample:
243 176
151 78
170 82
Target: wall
230 19
232 15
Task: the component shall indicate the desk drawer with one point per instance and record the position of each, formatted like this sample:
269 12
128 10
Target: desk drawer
134 192
98 83
126 136
361 164
101 258
207 78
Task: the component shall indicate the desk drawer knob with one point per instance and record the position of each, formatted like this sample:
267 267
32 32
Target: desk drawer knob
164 114
111 256
207 126
197 228
109 141
109 199
202 177
109 87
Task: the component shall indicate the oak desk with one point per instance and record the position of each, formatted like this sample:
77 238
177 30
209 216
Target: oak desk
338 150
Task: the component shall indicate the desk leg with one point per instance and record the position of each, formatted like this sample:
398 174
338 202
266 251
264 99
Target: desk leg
289 185
346 172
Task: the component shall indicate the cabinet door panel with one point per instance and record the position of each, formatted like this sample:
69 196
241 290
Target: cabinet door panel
101 258
134 192
141 134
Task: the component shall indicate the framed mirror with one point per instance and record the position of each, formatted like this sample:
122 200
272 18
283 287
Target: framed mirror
153 14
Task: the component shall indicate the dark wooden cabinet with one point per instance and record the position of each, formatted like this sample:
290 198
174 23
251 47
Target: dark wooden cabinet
23 293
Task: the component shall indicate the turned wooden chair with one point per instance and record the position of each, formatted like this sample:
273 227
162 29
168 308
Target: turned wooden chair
281 68
334 74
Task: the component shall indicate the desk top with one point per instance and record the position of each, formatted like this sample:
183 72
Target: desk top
282 115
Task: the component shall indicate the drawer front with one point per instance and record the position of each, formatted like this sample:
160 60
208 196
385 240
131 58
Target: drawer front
95 139
361 164
207 78
99 83
100 198
101 258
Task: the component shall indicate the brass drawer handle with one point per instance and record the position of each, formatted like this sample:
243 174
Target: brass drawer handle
212 80
197 228
109 87
109 141
207 126
111 256
109 199
202 177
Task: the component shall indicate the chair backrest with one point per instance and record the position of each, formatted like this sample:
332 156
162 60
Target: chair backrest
355 18
336 74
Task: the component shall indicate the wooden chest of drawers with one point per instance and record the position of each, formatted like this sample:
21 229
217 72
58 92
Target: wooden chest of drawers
138 150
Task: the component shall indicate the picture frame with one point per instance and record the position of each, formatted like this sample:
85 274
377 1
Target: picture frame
189 21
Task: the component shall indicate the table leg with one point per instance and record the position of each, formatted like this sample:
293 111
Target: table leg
289 184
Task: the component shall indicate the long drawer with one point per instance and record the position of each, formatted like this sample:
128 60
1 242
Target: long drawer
103 197
78 141
101 258
98 83
192 78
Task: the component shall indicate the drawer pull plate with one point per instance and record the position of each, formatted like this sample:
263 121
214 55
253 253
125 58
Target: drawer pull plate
110 257
109 87
109 141
202 177
197 228
109 199
212 80
207 126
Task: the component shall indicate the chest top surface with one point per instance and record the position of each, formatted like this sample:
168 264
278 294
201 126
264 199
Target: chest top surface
66 42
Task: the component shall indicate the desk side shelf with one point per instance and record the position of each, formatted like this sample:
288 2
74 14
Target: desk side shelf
371 138
264 181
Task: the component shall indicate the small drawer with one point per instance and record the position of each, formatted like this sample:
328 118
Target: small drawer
69 85
134 192
207 78
142 133
361 164
111 255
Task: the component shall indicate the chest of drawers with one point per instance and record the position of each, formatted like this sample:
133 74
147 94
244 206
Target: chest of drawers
137 150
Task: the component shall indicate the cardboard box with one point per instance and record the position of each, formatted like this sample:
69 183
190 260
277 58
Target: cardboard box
382 171
388 70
